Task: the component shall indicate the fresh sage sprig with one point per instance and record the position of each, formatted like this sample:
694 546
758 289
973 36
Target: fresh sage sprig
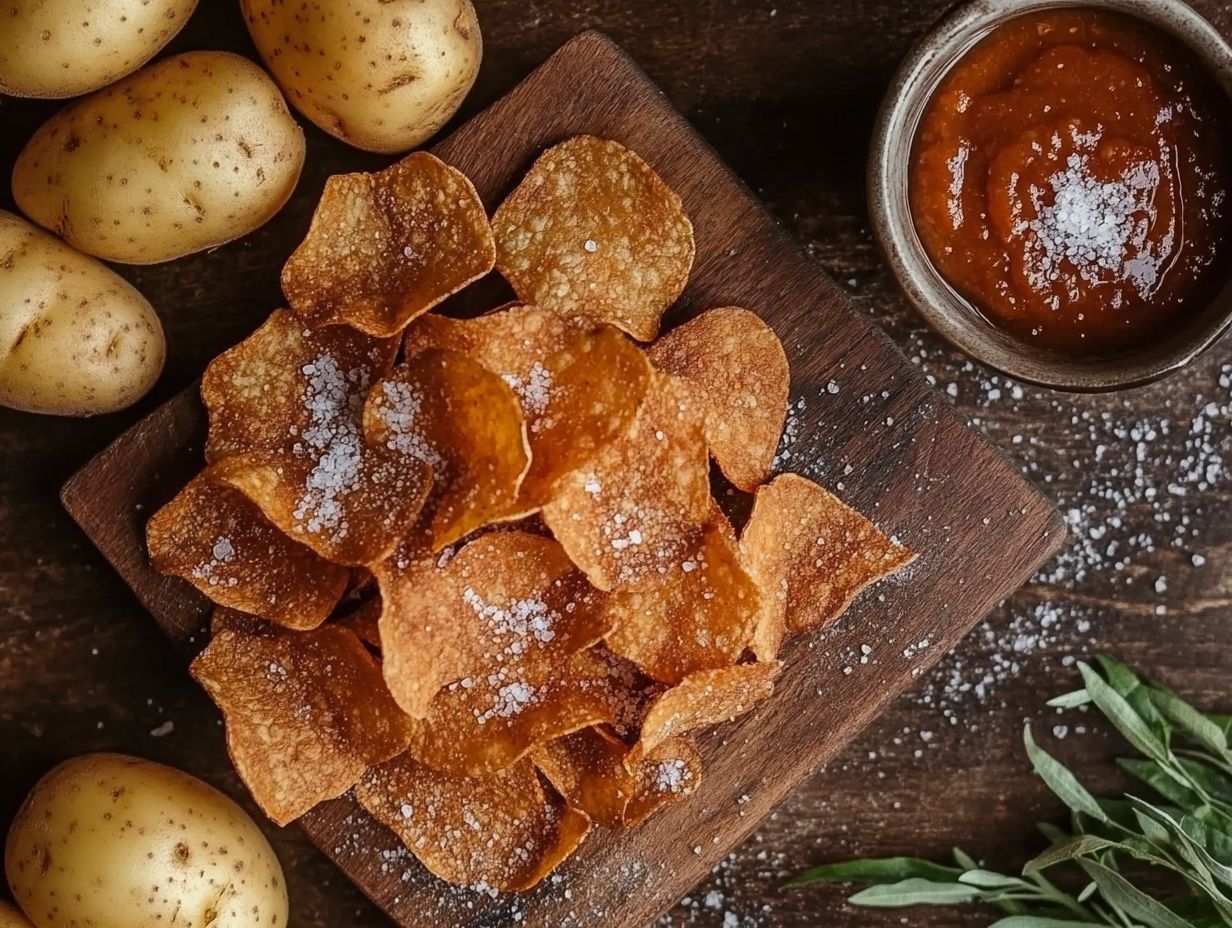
1180 826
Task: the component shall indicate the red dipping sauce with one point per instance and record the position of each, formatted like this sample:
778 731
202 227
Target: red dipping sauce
1069 179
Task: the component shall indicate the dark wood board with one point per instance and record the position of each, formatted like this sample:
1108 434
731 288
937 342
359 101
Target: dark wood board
868 425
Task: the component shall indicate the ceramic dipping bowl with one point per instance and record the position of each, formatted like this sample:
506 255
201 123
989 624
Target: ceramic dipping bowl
947 312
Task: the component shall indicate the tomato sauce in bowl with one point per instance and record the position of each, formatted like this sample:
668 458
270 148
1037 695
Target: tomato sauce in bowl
1069 179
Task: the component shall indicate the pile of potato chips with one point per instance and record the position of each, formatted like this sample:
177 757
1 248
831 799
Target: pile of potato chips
473 569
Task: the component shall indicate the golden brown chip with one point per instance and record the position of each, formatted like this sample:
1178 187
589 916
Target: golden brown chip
262 394
487 721
701 618
589 768
738 367
446 411
506 604
385 247
502 832
639 509
346 499
669 773
579 387
592 232
218 541
629 692
811 554
702 700
306 712
285 411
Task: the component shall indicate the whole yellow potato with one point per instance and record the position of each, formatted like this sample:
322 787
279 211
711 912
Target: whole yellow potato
62 48
75 338
184 155
382 75
11 918
107 841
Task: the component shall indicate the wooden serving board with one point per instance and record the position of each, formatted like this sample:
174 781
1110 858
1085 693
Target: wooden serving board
866 425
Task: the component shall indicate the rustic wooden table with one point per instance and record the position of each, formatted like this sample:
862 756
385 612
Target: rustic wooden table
786 90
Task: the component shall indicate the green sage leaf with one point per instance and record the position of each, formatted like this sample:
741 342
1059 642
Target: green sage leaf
1119 676
965 860
1217 843
1150 773
1123 716
1071 849
1038 921
1133 901
1210 779
1059 779
915 892
1191 843
877 871
1153 831
1070 700
1189 720
987 879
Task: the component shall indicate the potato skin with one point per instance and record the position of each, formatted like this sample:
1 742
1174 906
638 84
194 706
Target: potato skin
382 75
76 339
63 48
108 841
11 918
184 155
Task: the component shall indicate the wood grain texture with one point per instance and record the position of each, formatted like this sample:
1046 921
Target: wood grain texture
786 91
902 455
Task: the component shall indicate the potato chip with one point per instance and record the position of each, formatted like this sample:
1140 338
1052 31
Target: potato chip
385 247
262 393
579 387
506 603
669 773
487 721
218 541
739 369
639 509
306 712
701 617
629 691
285 411
502 832
446 411
593 232
348 500
702 700
812 554
589 769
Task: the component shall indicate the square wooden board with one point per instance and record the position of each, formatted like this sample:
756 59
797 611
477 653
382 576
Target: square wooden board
866 424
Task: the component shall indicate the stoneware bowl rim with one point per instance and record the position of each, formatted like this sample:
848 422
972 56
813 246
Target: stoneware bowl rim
913 84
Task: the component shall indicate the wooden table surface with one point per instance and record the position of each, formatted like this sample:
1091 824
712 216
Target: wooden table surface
786 90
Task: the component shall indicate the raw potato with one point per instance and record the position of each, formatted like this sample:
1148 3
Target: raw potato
63 48
107 841
75 338
184 155
383 75
11 918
